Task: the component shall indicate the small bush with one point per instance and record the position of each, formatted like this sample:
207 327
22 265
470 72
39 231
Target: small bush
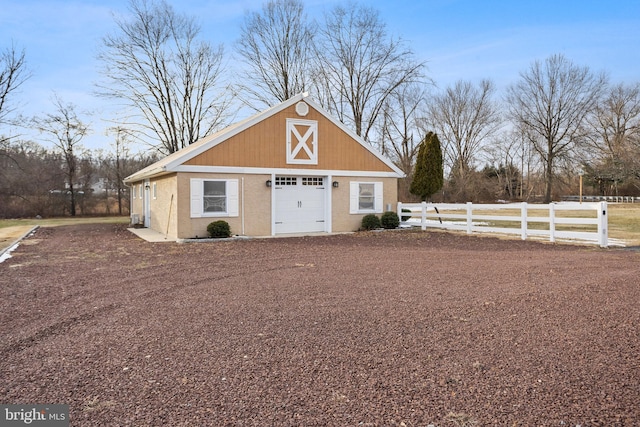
390 220
370 222
406 217
219 229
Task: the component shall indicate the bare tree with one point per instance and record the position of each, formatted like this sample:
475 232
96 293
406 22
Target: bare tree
65 130
510 159
359 66
115 165
276 46
27 174
616 120
551 103
464 116
400 131
615 140
171 81
13 74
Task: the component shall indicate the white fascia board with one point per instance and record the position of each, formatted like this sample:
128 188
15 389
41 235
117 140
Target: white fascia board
138 176
356 137
282 171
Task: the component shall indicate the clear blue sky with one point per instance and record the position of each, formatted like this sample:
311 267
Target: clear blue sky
459 39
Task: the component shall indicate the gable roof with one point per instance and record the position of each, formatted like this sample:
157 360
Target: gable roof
172 162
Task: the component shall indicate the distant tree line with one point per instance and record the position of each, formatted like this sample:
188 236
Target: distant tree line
36 181
529 143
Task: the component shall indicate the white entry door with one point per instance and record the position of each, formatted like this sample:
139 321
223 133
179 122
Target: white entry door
300 204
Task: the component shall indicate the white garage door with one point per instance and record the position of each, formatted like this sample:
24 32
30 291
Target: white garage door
300 204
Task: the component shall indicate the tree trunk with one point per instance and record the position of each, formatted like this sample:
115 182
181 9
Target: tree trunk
119 200
72 206
548 179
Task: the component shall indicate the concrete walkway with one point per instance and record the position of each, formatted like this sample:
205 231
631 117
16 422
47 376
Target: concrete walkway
150 235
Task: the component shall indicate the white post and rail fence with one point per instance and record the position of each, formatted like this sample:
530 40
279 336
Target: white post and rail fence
585 223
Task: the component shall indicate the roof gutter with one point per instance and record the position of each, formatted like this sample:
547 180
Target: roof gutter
148 174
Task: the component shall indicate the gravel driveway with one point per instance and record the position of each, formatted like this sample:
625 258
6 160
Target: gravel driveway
366 329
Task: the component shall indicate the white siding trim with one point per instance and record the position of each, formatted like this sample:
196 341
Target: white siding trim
284 171
273 204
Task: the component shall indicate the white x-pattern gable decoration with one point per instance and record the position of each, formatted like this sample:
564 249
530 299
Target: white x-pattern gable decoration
302 142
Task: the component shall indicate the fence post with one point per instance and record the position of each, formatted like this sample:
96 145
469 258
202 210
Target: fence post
552 222
399 211
603 236
469 217
523 221
423 219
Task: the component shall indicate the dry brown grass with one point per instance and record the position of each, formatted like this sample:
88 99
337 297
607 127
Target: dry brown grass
624 222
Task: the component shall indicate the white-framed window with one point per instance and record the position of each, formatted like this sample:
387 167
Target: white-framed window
365 197
286 180
140 191
214 197
315 181
154 188
133 191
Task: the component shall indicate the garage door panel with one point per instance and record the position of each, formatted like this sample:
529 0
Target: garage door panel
300 204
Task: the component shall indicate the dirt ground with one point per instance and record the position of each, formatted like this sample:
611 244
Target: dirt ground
367 329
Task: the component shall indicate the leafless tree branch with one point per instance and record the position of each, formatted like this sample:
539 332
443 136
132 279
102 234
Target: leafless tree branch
358 66
13 74
65 130
156 66
465 117
276 46
551 102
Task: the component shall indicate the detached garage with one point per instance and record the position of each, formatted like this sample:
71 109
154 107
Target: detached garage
288 170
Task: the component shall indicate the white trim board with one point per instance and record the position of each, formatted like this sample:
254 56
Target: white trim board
282 171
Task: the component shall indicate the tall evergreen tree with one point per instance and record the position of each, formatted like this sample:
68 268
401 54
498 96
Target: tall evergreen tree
428 176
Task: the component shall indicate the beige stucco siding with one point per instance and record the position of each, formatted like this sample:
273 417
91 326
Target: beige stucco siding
254 206
342 220
163 207
135 201
173 216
